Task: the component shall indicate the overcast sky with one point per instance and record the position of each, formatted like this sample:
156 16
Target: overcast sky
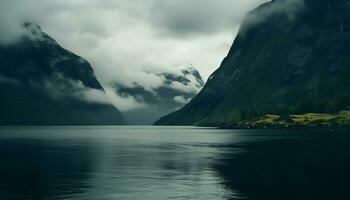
123 38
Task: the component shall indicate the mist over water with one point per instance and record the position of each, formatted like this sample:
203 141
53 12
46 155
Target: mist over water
144 162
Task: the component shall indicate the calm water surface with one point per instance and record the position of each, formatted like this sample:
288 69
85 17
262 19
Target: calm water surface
153 163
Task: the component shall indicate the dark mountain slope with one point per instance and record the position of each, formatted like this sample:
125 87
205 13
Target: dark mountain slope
290 57
43 84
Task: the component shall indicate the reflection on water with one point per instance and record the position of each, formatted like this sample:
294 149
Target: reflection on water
291 166
164 163
32 169
111 163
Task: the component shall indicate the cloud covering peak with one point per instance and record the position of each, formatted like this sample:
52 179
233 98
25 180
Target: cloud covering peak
123 40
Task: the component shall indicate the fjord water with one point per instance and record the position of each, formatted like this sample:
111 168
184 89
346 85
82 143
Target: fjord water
108 163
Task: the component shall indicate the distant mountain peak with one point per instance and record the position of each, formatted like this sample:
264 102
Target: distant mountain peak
185 81
178 86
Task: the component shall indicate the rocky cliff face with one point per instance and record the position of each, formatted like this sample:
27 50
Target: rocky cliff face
43 84
290 57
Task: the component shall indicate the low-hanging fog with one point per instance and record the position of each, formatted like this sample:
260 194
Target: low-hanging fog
130 42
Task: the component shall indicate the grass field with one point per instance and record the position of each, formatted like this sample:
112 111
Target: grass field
341 119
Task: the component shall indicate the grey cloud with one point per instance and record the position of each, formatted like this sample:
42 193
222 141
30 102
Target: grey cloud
184 81
60 87
123 38
10 33
183 17
181 99
178 88
288 8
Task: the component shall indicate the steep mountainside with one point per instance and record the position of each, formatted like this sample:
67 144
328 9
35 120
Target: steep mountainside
290 57
43 84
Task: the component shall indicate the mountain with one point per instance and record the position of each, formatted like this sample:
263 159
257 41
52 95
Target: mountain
290 61
43 84
178 87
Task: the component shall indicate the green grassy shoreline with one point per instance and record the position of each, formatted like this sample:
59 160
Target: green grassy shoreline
337 121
